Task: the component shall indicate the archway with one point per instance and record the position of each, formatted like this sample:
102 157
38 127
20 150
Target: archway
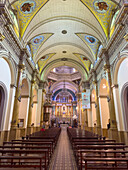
104 99
23 109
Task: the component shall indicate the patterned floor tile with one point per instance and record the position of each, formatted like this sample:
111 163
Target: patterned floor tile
63 158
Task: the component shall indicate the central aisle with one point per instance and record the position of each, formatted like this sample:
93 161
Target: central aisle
63 158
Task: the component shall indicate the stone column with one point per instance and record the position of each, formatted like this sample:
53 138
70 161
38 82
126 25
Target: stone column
113 124
42 85
98 123
30 105
110 93
79 107
42 108
17 99
86 118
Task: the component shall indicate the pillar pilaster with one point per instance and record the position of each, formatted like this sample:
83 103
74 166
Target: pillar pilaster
17 98
110 94
30 105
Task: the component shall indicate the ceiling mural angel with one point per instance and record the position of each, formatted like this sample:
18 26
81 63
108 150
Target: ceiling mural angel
26 10
92 42
103 11
36 42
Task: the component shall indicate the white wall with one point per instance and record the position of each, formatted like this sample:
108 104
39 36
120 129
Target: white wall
122 79
104 112
5 78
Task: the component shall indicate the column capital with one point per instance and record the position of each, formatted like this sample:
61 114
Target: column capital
43 85
85 85
114 86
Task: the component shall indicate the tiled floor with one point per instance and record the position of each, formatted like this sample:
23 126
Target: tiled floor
63 158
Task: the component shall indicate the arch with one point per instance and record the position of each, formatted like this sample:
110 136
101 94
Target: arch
58 91
70 84
61 62
3 102
71 18
116 68
6 56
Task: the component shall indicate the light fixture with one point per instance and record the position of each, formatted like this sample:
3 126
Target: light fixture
93 95
64 32
104 86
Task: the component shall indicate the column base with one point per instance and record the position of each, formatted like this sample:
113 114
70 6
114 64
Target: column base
113 134
14 134
99 131
29 130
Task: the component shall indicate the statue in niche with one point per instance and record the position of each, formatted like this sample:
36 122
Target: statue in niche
102 6
26 7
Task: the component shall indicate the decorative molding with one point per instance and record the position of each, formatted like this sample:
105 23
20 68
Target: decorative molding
2 37
126 37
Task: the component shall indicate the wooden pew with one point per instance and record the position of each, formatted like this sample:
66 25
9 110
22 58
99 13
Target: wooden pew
20 162
82 154
108 163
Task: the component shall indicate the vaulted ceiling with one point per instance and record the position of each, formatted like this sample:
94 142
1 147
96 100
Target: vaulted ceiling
64 32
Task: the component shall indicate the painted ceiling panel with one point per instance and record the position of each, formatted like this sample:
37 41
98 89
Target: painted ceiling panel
103 11
36 42
43 61
92 42
84 60
26 10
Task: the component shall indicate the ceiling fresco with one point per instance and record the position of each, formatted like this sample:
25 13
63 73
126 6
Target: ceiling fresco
36 42
36 21
103 11
43 60
92 42
26 10
84 60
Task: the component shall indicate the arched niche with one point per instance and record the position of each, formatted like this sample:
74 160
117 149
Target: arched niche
24 104
103 101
